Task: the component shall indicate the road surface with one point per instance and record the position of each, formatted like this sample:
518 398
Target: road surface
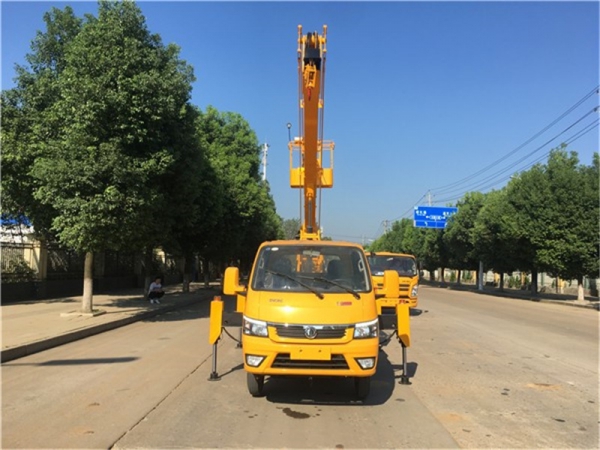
486 372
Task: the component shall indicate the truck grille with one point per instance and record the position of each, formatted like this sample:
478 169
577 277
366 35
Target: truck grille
322 331
283 361
403 286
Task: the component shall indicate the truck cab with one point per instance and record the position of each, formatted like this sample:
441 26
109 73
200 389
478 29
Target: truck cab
406 267
309 309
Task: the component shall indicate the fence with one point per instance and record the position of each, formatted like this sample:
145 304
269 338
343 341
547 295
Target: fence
518 280
33 271
16 261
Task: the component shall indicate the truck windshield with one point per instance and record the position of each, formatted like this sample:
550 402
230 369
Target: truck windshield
309 268
404 265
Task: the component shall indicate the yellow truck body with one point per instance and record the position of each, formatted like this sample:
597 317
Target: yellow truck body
406 266
303 318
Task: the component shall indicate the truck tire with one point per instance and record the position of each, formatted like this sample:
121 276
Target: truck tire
362 386
255 384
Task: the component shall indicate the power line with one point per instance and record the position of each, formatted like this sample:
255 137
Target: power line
579 134
443 189
514 164
570 140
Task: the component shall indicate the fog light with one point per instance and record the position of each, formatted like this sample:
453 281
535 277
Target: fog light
366 363
253 360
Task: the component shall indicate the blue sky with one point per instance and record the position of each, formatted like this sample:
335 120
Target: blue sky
424 100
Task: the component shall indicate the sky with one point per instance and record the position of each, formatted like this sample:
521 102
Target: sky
425 101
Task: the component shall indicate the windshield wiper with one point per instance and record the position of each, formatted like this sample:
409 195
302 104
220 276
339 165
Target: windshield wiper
347 289
295 280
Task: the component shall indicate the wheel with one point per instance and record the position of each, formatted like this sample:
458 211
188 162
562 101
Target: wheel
362 386
255 384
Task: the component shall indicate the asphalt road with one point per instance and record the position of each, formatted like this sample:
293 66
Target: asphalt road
486 372
505 373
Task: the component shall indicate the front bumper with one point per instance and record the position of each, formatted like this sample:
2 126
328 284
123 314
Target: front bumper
312 359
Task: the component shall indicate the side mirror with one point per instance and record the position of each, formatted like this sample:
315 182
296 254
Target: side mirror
391 284
231 282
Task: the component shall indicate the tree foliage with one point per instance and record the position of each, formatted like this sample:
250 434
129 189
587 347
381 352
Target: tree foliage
545 219
248 211
291 228
103 150
27 119
458 236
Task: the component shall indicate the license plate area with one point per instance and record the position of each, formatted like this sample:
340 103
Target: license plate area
314 353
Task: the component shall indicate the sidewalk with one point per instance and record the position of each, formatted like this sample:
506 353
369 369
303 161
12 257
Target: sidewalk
33 326
518 294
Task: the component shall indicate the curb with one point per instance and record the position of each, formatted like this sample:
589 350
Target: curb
21 351
573 305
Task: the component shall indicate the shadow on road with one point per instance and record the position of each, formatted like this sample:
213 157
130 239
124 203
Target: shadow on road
78 362
197 308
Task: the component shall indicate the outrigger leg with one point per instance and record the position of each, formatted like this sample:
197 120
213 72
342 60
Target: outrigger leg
214 376
404 378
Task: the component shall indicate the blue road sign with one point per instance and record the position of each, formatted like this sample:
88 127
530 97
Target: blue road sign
7 220
432 216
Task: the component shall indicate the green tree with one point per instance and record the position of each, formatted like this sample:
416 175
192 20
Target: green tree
291 228
555 210
495 237
27 120
248 211
391 241
123 98
458 236
194 198
434 253
403 238
569 242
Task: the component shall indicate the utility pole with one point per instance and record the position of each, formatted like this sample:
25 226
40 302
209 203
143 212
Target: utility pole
385 226
264 152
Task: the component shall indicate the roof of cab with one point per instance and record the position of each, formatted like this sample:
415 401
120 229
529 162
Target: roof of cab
390 254
283 242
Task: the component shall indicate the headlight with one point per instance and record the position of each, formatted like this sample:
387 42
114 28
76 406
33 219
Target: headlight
253 327
414 291
366 329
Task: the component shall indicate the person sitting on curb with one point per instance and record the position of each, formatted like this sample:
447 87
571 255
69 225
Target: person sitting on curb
156 291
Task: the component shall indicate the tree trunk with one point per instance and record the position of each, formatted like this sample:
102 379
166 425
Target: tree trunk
88 283
580 291
187 263
534 274
205 272
501 282
458 276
